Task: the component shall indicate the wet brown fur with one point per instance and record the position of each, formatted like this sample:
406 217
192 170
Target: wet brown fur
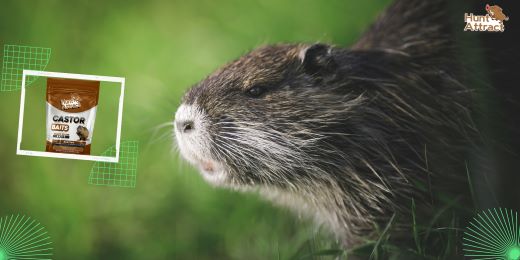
354 133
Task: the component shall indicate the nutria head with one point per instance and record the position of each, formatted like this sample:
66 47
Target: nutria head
343 135
255 120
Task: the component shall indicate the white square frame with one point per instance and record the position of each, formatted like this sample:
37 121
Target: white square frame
66 155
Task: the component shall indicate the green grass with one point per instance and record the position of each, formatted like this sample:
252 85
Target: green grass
435 237
440 241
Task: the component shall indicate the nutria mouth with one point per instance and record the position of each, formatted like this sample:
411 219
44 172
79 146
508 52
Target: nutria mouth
207 166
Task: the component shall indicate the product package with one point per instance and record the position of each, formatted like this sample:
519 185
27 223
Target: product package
71 113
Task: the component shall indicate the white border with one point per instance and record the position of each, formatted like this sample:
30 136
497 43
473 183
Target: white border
66 155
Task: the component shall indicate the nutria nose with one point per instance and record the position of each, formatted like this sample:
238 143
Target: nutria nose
185 126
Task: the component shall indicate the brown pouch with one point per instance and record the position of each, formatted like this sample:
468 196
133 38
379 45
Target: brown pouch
71 113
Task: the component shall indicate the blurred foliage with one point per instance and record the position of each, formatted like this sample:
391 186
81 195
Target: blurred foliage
161 47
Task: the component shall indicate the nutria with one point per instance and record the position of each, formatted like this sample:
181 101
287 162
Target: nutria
352 137
495 12
82 133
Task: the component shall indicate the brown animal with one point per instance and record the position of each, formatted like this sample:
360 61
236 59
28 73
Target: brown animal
82 132
348 136
496 13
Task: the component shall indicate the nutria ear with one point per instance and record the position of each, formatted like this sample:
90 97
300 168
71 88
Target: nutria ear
317 58
487 7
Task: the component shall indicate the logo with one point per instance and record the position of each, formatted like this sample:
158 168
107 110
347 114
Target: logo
493 21
493 234
73 102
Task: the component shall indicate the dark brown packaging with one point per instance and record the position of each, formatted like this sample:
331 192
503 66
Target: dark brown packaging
71 113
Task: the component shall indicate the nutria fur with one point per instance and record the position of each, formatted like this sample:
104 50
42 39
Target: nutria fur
348 136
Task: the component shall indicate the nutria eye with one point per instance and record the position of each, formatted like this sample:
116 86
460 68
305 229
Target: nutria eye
256 91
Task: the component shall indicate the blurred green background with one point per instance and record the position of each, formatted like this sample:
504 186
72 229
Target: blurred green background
162 48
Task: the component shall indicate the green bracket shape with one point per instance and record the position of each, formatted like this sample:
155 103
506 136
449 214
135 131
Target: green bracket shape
121 174
23 238
17 58
493 234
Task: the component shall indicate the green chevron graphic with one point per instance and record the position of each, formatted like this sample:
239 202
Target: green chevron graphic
23 238
493 234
